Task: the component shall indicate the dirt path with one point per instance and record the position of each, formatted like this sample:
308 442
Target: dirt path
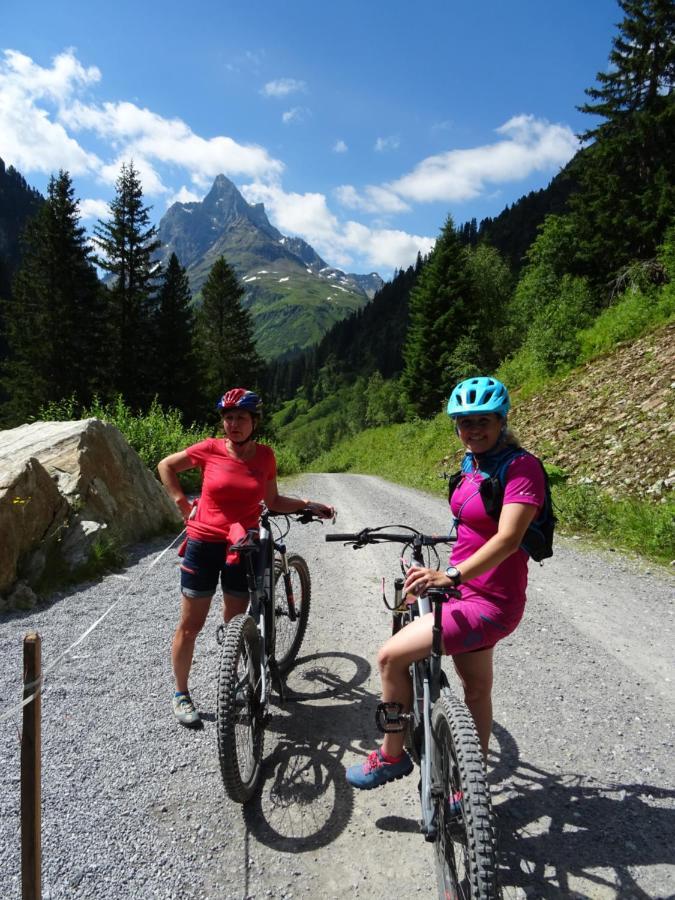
581 768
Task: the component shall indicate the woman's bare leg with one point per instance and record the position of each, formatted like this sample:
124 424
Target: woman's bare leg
193 613
233 606
409 644
475 673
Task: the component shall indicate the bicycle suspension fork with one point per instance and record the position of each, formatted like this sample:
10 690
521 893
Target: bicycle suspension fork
288 583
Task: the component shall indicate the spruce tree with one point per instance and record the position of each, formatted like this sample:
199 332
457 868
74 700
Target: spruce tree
438 318
225 346
627 175
54 322
174 372
127 242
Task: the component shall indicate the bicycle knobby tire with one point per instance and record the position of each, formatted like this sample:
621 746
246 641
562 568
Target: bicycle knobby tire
290 634
466 849
239 717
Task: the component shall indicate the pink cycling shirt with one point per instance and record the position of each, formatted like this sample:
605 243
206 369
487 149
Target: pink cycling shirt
231 488
505 584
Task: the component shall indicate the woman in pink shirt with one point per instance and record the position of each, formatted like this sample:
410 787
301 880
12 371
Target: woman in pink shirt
488 565
237 474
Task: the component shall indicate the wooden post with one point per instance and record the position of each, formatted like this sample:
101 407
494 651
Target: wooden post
31 745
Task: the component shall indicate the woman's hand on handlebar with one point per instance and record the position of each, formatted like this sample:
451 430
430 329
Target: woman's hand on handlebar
320 510
419 580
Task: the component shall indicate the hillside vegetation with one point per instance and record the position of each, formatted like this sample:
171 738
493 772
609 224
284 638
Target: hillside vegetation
605 431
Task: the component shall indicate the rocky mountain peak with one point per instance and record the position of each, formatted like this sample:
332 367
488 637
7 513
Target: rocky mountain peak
225 203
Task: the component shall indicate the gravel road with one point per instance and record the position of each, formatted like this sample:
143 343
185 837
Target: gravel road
581 767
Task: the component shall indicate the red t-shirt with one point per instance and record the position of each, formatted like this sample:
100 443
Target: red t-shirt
506 582
231 488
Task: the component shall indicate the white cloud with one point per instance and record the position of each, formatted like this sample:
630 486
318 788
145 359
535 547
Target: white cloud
94 209
57 83
151 181
145 135
282 87
296 114
309 216
250 60
340 147
382 144
42 108
31 140
184 195
529 145
385 247
373 200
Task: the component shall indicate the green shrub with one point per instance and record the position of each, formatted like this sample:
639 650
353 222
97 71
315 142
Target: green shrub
634 314
153 434
523 371
287 460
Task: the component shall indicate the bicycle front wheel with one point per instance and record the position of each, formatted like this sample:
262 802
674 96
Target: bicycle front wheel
292 595
239 713
465 847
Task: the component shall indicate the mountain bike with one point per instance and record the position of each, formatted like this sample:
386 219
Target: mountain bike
258 648
440 737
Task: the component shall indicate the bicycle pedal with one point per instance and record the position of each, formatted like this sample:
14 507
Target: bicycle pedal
390 718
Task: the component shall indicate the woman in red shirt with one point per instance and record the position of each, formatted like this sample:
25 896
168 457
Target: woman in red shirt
237 474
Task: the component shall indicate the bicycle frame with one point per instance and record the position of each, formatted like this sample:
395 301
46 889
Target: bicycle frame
260 582
259 551
427 671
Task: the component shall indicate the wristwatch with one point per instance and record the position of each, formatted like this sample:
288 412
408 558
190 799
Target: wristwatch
453 573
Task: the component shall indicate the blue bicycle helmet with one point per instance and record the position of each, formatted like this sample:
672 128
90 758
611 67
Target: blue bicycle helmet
240 398
479 395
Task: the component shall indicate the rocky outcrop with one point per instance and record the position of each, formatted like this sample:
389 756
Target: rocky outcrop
63 485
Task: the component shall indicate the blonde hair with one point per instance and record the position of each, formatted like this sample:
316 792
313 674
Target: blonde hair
510 438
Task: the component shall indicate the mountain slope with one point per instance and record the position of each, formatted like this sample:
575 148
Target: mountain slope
18 203
293 296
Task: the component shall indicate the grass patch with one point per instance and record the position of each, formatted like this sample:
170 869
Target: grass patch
636 313
105 555
646 527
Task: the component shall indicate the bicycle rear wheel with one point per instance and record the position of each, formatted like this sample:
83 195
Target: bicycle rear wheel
292 598
239 713
465 847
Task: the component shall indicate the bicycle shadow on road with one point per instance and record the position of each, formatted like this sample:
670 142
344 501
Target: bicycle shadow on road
567 834
304 801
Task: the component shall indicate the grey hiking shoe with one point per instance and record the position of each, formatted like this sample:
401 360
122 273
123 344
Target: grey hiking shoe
184 710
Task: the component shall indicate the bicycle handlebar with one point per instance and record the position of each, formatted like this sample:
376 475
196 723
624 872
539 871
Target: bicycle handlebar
371 536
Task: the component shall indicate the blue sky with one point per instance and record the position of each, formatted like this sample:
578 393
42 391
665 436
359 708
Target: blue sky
360 125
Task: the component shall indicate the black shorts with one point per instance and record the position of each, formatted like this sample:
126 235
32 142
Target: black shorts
203 564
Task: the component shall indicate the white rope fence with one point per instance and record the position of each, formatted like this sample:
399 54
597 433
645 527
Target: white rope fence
38 687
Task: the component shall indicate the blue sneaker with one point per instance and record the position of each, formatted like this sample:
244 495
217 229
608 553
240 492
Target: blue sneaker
376 771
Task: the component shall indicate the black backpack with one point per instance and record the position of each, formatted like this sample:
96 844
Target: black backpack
538 539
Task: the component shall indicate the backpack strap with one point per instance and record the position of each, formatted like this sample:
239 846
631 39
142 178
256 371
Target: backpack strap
453 483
